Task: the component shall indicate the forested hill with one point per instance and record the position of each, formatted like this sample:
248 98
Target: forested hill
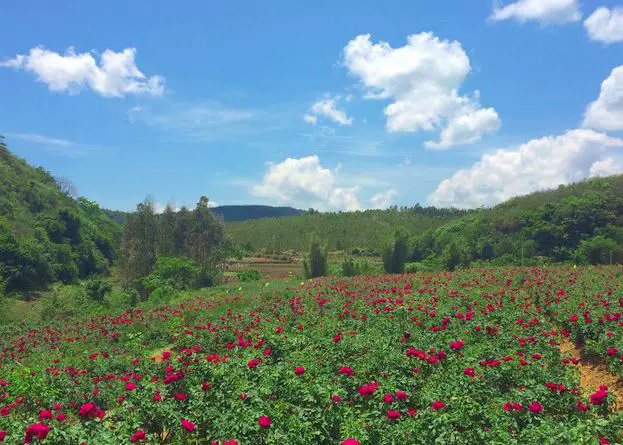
580 222
342 231
230 213
45 234
245 212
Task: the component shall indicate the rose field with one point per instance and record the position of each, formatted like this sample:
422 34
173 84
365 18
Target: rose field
493 356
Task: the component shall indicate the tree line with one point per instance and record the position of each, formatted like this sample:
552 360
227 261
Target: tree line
190 244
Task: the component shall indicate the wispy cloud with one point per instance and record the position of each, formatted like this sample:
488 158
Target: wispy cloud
205 120
358 143
40 139
63 147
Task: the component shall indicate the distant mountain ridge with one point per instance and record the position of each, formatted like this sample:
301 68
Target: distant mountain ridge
245 212
229 213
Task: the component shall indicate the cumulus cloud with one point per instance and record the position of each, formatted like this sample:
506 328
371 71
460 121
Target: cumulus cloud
467 128
536 165
606 113
305 182
327 108
606 167
116 75
605 25
547 12
383 200
422 79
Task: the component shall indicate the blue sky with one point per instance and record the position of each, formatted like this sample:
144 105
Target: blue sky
335 105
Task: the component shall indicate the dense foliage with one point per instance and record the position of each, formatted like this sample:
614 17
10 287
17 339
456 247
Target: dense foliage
188 246
450 358
45 234
367 229
581 222
229 213
316 264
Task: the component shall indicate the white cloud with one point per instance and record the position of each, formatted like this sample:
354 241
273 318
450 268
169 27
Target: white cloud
305 183
328 108
383 200
547 12
205 121
159 208
536 165
115 76
422 79
311 119
606 113
467 128
57 146
40 139
606 167
605 25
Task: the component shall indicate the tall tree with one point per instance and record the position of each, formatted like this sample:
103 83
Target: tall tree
181 231
166 230
139 246
207 240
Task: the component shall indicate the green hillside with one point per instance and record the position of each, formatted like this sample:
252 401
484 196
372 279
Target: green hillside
581 222
342 231
46 235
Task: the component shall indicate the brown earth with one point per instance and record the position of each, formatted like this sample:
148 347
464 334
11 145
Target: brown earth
593 373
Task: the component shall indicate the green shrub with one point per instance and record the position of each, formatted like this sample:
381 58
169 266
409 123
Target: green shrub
418 267
598 250
395 256
178 273
249 275
97 289
316 265
364 266
348 268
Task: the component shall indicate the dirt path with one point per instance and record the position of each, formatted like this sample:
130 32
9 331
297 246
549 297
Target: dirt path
592 374
156 356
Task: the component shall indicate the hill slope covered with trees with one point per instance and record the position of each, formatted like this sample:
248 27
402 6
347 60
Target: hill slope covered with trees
581 222
365 230
45 234
228 212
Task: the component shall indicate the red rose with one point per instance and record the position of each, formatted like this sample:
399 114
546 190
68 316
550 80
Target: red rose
188 425
598 397
392 414
535 407
299 371
438 405
264 421
346 371
350 442
37 430
138 436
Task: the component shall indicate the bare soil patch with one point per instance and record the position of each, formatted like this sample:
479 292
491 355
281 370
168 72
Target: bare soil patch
593 373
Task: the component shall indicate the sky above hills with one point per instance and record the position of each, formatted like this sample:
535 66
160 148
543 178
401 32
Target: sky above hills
333 105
